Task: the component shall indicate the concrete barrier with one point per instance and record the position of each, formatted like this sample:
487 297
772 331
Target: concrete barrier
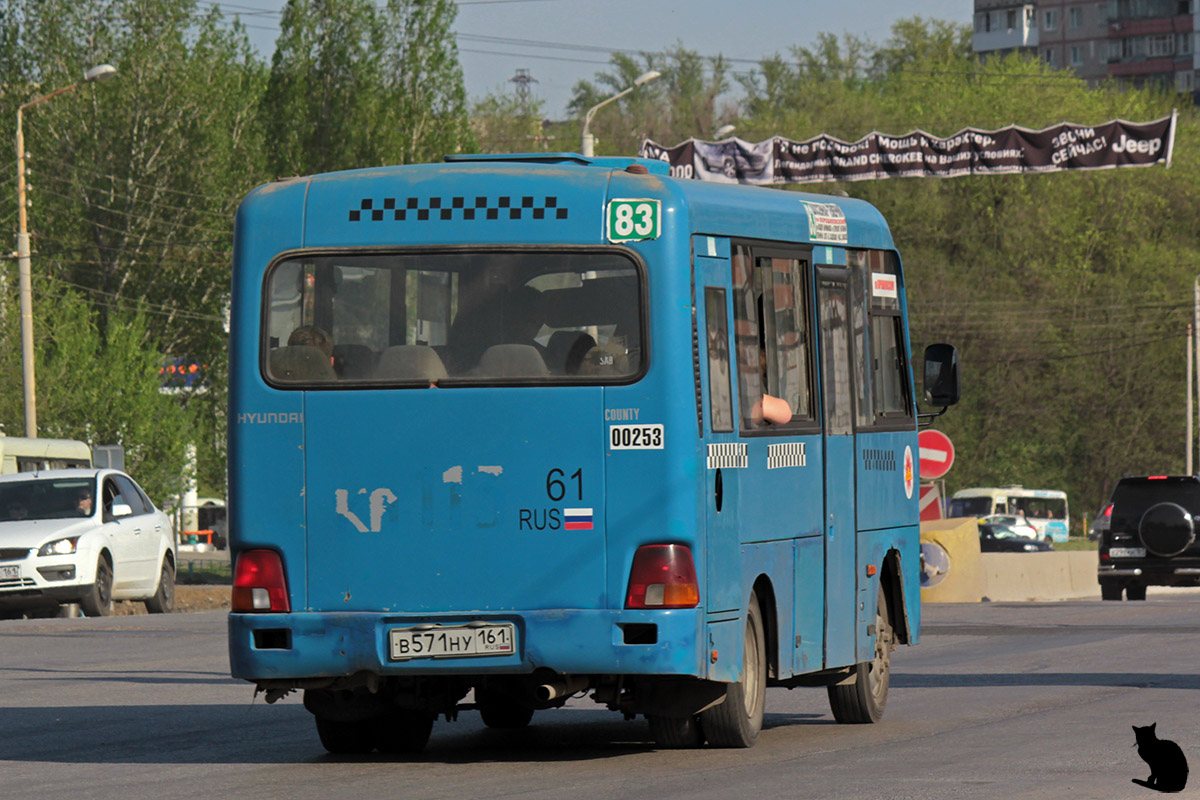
1039 576
975 576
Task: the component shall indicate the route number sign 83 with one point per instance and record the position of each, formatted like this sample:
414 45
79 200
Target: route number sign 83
630 220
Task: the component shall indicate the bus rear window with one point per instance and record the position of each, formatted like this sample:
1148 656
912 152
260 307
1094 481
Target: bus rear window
510 317
970 506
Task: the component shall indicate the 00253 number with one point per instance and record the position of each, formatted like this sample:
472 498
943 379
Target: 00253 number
636 437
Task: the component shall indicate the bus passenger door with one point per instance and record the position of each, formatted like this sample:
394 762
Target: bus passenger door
838 430
722 559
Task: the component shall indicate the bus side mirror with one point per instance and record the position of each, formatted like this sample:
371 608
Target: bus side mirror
941 375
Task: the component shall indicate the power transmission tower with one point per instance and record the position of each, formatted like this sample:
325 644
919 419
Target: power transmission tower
522 79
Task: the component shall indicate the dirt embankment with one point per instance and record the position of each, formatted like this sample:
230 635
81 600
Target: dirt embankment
187 598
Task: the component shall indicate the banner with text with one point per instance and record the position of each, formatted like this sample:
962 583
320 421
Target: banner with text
876 156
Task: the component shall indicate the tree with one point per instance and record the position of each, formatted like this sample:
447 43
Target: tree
352 86
102 387
502 124
133 188
135 181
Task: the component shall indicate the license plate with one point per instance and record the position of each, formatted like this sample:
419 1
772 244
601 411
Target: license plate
9 573
498 639
1127 552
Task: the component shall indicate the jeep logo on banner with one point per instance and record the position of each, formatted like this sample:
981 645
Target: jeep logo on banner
919 155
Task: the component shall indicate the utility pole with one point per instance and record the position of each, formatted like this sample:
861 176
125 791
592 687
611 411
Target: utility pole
1189 400
24 275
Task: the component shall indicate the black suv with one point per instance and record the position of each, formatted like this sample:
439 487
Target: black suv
1151 540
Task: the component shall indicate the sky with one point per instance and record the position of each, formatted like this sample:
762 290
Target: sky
563 41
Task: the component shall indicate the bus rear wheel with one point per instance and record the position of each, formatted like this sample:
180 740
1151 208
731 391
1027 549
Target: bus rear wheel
403 731
346 738
737 721
862 698
676 733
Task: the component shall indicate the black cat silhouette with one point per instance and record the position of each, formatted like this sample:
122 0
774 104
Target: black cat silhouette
1168 767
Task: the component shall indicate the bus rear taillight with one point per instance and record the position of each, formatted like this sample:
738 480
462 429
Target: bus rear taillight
663 576
259 583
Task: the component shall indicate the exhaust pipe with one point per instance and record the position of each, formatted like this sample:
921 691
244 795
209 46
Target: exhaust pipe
563 687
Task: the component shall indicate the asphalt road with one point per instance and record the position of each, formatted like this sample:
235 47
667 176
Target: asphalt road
998 701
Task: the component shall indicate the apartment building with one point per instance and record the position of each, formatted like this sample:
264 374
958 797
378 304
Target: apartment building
1136 41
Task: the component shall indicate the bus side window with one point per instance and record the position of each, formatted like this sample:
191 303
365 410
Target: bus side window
746 335
885 398
720 400
771 329
887 361
1001 508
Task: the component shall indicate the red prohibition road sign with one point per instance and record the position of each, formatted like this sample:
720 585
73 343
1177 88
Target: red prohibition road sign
936 454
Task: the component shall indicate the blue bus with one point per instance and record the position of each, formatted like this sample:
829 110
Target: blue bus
509 430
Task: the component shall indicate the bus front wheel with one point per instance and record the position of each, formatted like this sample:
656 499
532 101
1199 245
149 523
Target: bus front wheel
737 721
862 697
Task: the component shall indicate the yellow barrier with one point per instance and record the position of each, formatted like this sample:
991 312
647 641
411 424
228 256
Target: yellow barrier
963 581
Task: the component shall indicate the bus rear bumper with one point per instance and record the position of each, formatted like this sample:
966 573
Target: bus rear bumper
268 647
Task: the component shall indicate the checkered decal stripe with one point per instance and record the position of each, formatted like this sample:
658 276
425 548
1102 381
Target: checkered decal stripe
727 456
421 209
879 460
790 454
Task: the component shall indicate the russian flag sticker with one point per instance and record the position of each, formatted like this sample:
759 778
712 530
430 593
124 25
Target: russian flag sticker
577 519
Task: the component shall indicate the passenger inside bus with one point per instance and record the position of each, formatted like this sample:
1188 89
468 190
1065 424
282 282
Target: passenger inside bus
307 356
769 409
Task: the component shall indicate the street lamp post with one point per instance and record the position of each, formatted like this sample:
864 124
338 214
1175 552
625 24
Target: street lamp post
24 286
1196 351
588 143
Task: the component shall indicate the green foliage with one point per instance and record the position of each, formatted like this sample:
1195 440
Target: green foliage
352 85
501 124
100 389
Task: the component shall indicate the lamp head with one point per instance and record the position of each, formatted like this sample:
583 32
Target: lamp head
100 73
723 131
646 77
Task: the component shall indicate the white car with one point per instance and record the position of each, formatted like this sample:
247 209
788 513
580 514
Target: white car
1019 525
58 545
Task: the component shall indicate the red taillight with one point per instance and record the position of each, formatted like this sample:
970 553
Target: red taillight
259 583
663 576
1108 510
1156 477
